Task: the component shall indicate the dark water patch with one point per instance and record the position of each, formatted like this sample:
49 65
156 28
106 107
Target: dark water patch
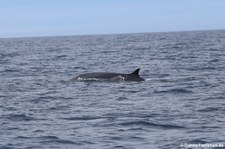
48 137
210 109
60 56
61 141
9 55
11 70
58 107
175 47
8 108
39 131
120 147
132 114
187 78
136 138
122 138
62 98
19 117
38 101
129 91
207 68
214 60
150 125
45 98
84 118
215 97
132 129
122 98
56 140
212 128
8 146
116 138
201 68
213 49
11 127
175 91
47 93
22 137
196 141
34 147
86 142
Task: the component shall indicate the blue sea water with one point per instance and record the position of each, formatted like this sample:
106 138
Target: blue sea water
181 101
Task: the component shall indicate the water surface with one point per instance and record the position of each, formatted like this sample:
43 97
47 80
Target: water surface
181 101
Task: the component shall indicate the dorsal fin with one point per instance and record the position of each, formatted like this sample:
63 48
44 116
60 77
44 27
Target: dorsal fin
136 72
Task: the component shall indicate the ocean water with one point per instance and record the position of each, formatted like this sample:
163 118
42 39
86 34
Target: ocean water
181 102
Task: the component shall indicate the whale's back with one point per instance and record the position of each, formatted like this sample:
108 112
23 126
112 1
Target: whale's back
134 76
97 75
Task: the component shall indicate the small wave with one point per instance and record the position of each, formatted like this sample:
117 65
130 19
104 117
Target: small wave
148 79
38 131
134 138
84 118
208 68
54 139
151 124
9 55
48 137
60 56
180 90
11 70
176 91
45 98
175 47
122 98
215 60
19 117
210 109
22 137
8 146
215 97
119 146
196 141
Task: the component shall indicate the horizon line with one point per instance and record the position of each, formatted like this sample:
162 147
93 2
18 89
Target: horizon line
105 34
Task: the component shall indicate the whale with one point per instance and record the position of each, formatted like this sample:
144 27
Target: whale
110 76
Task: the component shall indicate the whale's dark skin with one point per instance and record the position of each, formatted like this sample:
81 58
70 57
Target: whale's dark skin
134 76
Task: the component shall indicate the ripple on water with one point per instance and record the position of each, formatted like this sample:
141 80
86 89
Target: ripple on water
148 124
210 109
56 140
83 118
175 91
122 98
19 117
